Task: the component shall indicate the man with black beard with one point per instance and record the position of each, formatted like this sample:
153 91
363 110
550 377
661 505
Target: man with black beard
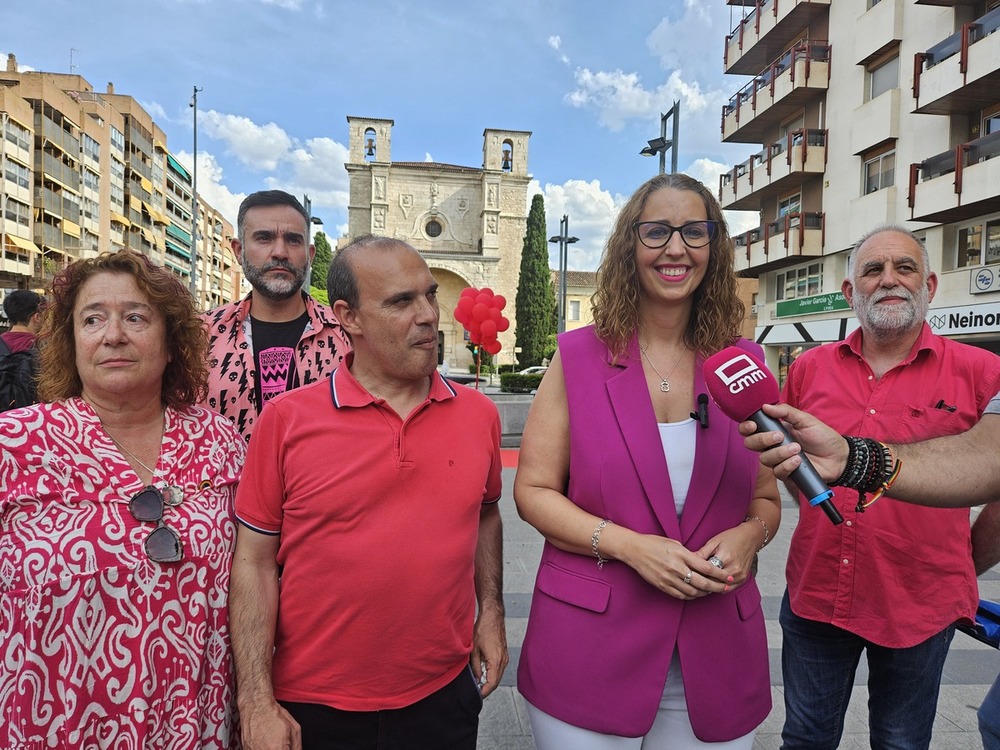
278 337
893 579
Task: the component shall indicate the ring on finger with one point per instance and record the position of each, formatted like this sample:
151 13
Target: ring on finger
715 561
687 578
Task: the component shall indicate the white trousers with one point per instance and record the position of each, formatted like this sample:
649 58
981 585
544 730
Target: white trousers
671 728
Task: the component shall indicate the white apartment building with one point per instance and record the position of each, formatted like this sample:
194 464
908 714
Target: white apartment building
863 112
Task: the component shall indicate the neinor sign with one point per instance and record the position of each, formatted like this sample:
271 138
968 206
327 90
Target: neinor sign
965 319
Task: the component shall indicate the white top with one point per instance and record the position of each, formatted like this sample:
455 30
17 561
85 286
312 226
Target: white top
678 439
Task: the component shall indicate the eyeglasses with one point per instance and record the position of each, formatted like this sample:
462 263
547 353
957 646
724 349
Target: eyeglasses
656 234
163 544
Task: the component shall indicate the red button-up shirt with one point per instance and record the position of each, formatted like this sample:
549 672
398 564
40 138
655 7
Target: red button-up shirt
897 573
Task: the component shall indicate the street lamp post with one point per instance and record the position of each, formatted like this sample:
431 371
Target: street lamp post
661 144
194 202
564 241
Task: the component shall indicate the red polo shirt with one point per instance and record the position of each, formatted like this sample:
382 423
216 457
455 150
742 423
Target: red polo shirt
897 573
379 522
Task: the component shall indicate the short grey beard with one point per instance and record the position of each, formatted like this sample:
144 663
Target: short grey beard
883 321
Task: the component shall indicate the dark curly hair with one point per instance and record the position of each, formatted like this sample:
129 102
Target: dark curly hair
185 379
716 311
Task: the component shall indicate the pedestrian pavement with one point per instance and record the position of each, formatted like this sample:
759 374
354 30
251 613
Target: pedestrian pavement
969 669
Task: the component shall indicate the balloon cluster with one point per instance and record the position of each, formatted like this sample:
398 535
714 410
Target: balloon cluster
479 312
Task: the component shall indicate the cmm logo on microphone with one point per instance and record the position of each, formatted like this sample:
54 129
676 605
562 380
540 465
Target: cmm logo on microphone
740 373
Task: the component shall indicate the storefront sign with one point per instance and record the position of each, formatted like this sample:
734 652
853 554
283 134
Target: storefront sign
984 279
957 321
821 303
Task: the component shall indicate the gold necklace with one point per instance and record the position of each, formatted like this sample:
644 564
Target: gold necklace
664 382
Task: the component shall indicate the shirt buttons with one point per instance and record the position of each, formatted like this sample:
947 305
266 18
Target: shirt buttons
871 411
850 523
871 377
846 561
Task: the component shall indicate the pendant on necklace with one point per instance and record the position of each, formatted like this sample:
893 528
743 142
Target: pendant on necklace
664 386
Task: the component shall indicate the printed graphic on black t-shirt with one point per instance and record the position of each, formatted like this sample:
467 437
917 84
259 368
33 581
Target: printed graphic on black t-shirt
274 354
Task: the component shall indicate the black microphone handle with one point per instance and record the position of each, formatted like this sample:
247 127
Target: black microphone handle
805 477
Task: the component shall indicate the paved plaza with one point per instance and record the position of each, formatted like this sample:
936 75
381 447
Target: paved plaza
969 670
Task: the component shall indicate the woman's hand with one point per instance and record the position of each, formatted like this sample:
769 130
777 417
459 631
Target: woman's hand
672 568
734 549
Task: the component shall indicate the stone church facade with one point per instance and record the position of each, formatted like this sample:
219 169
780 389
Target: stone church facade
468 223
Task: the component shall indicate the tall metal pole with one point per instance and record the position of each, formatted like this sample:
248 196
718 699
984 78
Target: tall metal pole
663 137
676 110
563 257
194 203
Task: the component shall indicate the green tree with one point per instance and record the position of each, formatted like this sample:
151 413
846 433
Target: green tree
535 297
321 261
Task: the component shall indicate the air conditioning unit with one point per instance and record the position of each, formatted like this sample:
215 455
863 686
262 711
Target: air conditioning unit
756 309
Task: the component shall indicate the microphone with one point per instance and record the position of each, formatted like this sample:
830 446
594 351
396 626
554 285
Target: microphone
741 385
702 414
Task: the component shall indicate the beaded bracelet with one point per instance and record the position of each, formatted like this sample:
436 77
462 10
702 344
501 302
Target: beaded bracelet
869 468
595 539
767 532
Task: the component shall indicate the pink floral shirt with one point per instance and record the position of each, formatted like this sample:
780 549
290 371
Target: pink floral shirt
99 645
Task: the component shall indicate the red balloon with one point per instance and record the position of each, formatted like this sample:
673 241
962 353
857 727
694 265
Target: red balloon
465 304
486 290
493 347
503 324
480 312
499 302
488 329
484 299
495 315
470 291
461 317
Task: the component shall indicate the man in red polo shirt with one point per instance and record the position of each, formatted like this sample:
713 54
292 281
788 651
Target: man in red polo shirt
373 494
891 580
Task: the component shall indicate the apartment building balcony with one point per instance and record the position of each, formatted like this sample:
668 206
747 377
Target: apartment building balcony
945 3
55 135
58 205
767 30
780 243
958 184
55 169
781 165
878 29
960 74
796 77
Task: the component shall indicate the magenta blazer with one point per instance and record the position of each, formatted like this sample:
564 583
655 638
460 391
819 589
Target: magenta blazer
599 641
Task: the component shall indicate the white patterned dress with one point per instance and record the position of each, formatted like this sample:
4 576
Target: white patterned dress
100 647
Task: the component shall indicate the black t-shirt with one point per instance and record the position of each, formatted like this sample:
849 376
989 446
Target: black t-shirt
274 355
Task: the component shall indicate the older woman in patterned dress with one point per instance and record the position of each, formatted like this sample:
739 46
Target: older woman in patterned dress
116 525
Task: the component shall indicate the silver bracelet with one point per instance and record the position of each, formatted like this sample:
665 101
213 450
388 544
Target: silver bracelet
595 540
767 533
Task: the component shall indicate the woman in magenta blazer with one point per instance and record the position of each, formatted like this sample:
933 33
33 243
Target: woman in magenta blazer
646 621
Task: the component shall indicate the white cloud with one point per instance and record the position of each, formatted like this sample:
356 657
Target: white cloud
555 42
427 156
591 211
259 147
156 111
286 4
618 96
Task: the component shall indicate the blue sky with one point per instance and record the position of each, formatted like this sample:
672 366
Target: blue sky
589 78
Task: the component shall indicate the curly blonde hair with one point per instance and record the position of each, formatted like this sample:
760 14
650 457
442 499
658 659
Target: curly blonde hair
716 311
185 379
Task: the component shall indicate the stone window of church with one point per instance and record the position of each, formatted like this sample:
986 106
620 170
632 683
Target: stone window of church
433 228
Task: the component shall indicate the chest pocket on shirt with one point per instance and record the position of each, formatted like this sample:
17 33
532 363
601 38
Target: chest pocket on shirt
923 422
